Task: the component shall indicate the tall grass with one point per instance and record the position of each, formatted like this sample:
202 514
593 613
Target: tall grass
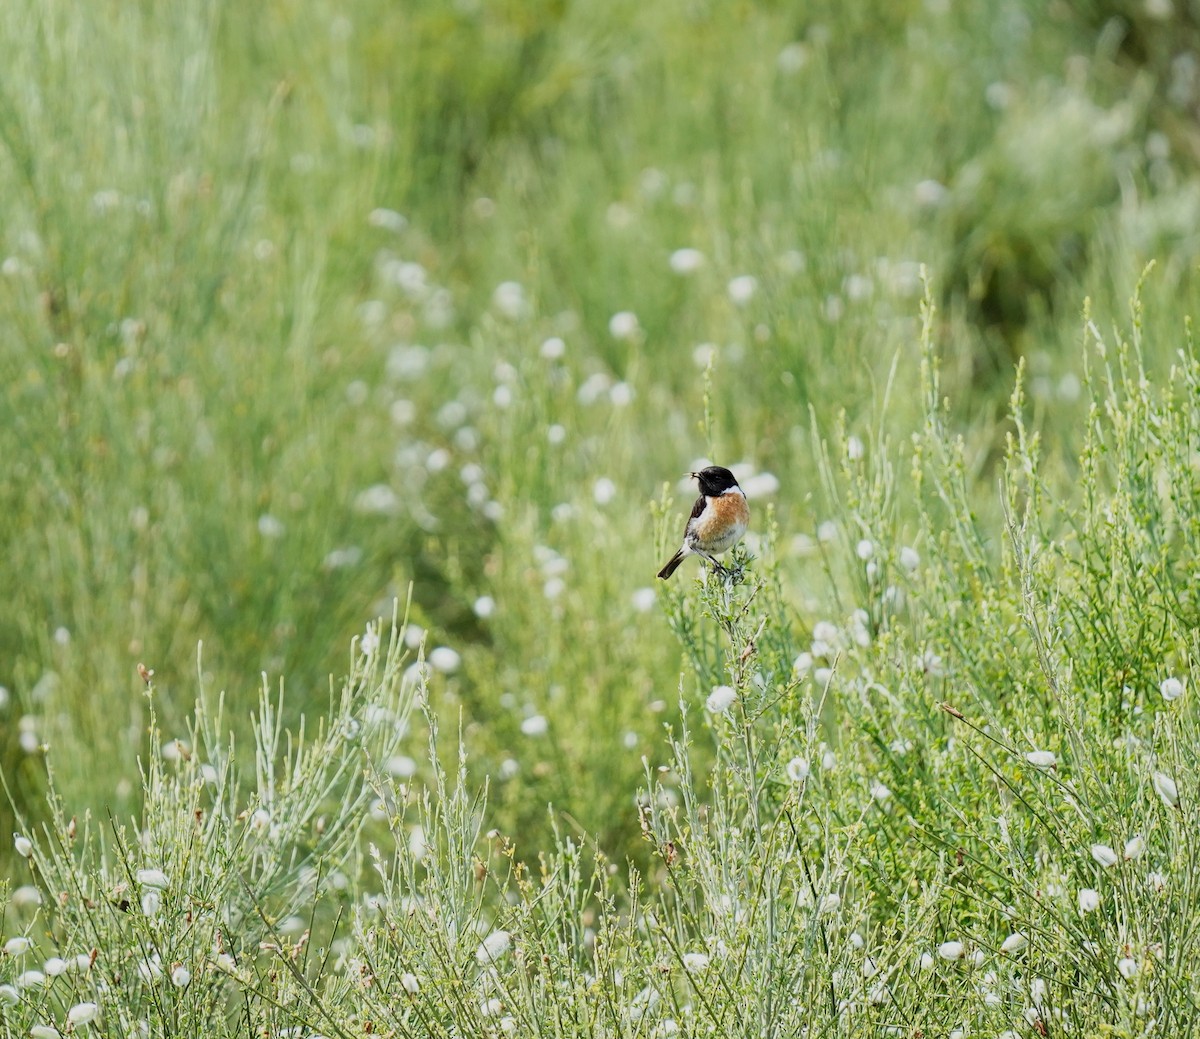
277 289
306 306
929 812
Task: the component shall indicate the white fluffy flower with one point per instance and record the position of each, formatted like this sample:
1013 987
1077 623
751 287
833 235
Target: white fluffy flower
643 599
553 348
152 878
83 1013
1171 688
444 659
1104 855
535 725
1042 758
623 325
1089 900
369 643
1015 942
952 950
742 289
387 220
721 699
797 770
1135 846
493 947
509 299
17 946
686 261
1165 787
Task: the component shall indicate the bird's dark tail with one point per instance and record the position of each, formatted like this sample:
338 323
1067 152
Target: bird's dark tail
671 566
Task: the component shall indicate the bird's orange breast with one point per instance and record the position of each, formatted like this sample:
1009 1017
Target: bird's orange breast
724 514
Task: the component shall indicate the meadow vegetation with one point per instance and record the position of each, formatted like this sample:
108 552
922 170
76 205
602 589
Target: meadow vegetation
351 357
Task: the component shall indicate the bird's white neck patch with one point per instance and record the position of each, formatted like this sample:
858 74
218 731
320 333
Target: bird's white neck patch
733 490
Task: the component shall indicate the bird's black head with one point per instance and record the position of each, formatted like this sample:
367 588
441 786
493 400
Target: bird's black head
714 480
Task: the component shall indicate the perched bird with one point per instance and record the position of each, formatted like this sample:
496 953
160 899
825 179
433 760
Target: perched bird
718 520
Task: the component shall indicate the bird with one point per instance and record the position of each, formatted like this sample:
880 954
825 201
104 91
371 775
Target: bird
718 520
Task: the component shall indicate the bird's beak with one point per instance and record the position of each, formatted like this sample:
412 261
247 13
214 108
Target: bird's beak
692 475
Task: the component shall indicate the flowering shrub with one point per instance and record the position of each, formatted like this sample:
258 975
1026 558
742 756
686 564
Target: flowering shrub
929 811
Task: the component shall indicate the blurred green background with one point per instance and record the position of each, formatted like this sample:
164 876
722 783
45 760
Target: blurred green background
303 302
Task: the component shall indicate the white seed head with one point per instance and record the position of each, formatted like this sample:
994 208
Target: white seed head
535 725
686 261
952 950
444 659
1171 689
1165 787
493 947
155 878
721 699
798 770
1015 942
623 325
83 1013
17 946
742 289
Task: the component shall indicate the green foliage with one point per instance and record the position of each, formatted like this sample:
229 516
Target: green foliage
306 305
963 803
